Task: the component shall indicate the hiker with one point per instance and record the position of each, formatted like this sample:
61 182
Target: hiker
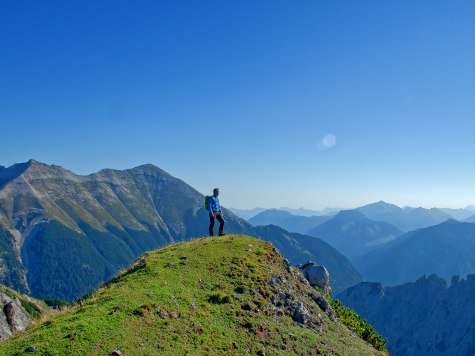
215 211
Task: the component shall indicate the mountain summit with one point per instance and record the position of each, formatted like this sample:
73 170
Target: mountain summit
352 233
55 223
64 234
230 295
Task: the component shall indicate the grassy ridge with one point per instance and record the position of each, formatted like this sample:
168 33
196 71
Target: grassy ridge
208 296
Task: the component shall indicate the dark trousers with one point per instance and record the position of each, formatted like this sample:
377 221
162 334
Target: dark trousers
211 224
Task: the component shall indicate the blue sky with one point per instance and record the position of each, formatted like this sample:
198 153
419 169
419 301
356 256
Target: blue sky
243 95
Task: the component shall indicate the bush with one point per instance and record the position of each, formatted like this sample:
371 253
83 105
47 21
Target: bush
31 308
219 298
56 303
359 325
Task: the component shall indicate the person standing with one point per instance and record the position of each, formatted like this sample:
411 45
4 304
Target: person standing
215 212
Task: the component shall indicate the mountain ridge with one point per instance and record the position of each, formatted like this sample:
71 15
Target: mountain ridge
66 233
235 294
441 314
353 234
444 249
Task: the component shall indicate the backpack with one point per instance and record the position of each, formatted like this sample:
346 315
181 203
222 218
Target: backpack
206 202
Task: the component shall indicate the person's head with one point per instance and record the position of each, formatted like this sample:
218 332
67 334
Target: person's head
216 192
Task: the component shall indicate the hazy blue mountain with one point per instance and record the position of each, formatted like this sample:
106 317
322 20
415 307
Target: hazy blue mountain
470 219
301 248
246 214
406 219
353 234
286 220
459 214
62 234
421 318
310 212
446 249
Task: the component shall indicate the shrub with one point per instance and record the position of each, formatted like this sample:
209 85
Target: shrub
359 325
56 303
219 298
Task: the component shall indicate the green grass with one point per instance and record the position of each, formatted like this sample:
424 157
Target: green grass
208 296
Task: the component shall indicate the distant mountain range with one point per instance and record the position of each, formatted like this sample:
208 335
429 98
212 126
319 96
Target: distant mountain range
353 234
425 317
446 249
247 214
63 234
288 221
470 219
406 219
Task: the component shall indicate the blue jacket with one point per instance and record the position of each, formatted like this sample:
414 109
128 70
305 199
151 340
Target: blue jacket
213 205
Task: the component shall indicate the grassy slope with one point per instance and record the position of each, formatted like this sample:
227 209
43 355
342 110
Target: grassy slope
162 305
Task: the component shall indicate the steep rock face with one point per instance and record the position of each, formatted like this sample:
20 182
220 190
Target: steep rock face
17 312
12 271
422 318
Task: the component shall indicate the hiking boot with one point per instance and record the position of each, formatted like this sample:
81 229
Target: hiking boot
222 234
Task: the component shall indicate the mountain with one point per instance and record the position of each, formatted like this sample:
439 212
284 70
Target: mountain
406 219
18 311
230 295
459 214
310 212
470 219
422 318
12 271
445 249
287 221
246 214
64 234
301 248
353 234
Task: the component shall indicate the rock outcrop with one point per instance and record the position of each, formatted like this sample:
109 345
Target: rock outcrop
317 276
17 312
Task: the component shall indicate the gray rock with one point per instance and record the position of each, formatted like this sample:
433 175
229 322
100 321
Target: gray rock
5 331
117 352
17 320
317 276
13 317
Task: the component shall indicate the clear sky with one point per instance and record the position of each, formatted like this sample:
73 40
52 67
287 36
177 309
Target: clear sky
279 103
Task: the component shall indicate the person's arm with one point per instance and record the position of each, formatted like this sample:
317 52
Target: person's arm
219 207
210 205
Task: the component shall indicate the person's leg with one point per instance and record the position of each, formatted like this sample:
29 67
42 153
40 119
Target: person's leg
221 223
211 225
